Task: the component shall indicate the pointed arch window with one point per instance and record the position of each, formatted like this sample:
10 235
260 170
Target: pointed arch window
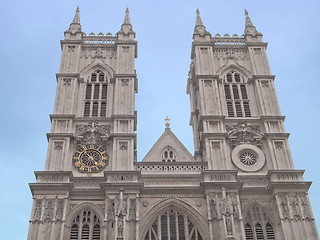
236 95
257 225
85 226
96 95
173 225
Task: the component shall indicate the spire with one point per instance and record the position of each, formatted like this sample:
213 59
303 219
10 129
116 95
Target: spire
248 20
76 18
250 29
200 29
127 18
198 20
75 25
126 27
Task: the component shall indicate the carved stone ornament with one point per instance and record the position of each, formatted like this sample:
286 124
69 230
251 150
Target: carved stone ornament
125 82
123 146
244 133
207 83
111 211
145 203
67 81
93 133
213 208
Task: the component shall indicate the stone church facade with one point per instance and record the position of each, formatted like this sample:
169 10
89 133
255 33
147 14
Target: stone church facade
239 184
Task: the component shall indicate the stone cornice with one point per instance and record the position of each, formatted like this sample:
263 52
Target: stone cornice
256 44
206 77
61 116
67 75
71 41
59 136
123 116
277 135
265 117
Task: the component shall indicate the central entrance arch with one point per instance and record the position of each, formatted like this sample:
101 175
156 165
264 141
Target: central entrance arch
173 219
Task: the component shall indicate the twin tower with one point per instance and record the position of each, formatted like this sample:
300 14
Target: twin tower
240 183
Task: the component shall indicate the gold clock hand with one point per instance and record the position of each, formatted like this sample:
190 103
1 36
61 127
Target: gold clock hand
89 156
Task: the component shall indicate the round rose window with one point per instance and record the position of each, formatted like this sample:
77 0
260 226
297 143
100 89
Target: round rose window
248 158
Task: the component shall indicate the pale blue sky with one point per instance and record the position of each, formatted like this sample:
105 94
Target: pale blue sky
30 57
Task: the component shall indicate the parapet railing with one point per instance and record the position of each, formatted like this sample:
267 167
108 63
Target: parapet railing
99 39
171 167
228 40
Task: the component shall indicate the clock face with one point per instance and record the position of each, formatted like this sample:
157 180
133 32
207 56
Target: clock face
90 159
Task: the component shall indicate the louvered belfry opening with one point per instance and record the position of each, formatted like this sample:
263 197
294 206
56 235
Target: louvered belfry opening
257 225
85 226
96 95
236 95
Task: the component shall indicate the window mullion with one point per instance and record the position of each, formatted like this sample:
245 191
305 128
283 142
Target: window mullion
177 225
186 227
159 227
168 225
80 226
91 226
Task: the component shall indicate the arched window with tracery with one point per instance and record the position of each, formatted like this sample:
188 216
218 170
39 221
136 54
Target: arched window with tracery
95 103
85 226
257 225
168 155
236 96
174 226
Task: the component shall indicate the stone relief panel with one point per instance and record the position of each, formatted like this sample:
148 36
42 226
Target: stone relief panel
106 55
59 211
241 57
86 184
37 210
93 133
48 210
294 207
244 133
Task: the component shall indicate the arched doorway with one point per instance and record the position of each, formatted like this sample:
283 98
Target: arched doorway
173 225
173 219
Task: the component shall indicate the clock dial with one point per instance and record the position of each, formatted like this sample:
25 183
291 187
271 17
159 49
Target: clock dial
90 159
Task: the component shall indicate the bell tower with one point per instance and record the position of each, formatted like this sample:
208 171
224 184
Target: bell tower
237 126
233 103
93 130
95 99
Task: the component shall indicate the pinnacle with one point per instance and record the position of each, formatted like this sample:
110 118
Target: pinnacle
248 20
198 20
76 18
127 18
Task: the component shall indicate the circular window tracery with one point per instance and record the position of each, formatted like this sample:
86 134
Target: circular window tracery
248 158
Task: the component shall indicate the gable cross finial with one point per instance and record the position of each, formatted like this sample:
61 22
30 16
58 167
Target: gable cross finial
167 123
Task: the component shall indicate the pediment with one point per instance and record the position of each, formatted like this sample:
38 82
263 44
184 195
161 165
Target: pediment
168 141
